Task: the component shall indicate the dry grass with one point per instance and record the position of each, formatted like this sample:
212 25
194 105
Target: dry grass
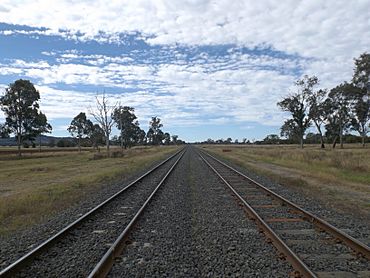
338 177
39 185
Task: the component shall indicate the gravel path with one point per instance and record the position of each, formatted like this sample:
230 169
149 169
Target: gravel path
194 228
102 226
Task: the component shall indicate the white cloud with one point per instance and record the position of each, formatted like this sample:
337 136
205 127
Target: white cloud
321 38
310 28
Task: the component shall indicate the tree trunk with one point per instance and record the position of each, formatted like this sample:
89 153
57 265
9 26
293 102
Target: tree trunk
107 143
301 140
19 146
363 140
40 143
363 135
122 144
79 144
341 137
321 137
322 142
335 141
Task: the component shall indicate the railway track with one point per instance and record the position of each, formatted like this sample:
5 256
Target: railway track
89 245
312 246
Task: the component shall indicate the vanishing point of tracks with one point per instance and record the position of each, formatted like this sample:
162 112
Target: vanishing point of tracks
282 222
89 246
96 237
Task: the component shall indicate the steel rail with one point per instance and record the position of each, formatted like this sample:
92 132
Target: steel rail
296 262
25 259
356 245
105 264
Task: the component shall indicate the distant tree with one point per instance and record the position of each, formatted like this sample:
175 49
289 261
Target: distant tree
115 140
103 115
80 127
220 141
96 136
210 141
167 138
174 139
361 97
21 108
290 130
155 132
317 111
236 141
4 132
244 140
297 105
126 122
337 107
140 136
228 140
312 138
65 143
271 139
41 126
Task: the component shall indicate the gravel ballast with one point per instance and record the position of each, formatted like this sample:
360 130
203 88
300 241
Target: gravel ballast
194 228
93 236
320 250
354 224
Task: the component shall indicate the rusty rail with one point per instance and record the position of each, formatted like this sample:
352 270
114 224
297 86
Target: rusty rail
15 267
105 264
297 263
357 246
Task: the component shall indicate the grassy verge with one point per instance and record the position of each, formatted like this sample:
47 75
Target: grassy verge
35 187
339 178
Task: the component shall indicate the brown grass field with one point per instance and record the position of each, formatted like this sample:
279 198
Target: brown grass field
339 178
41 184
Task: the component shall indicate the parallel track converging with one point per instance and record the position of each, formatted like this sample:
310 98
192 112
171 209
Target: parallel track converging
267 209
102 267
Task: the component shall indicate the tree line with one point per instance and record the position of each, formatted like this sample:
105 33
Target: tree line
333 112
125 120
24 120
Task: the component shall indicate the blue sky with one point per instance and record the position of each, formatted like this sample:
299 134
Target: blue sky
208 69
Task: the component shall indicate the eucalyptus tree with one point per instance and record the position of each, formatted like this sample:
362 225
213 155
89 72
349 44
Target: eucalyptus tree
4 132
80 127
317 111
21 108
126 122
361 97
41 126
174 139
96 136
155 134
167 138
337 108
297 104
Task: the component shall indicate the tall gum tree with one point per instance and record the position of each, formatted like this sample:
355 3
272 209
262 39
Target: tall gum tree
80 127
317 111
361 97
297 105
21 108
337 107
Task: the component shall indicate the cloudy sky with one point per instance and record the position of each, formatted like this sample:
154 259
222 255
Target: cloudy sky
208 69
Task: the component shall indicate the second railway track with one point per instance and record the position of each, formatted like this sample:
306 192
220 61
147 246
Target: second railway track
313 247
77 249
